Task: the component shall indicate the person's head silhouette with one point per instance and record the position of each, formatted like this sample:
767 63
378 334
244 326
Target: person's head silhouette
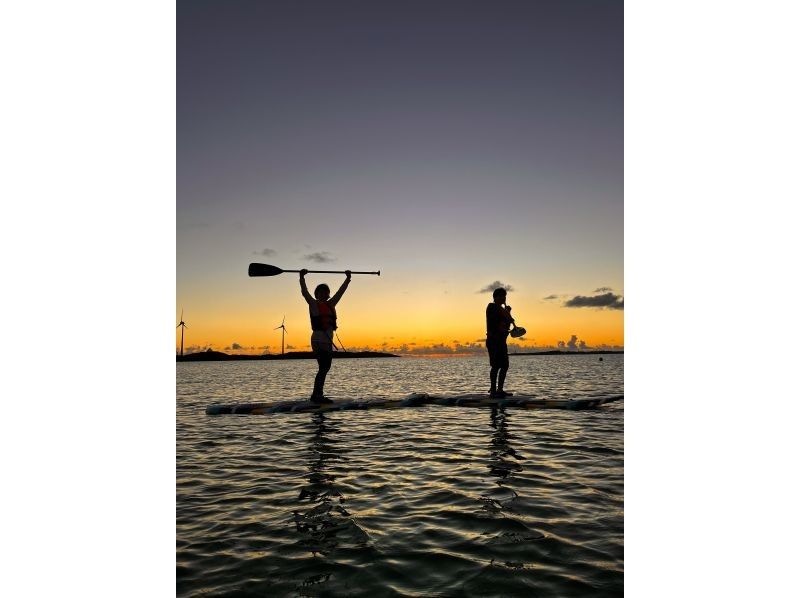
322 292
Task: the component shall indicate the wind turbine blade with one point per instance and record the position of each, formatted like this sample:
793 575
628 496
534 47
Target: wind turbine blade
278 328
181 314
178 326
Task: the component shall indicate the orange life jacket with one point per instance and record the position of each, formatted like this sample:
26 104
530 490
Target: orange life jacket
326 320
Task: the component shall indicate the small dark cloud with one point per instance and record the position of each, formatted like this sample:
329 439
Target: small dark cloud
603 290
236 347
266 251
606 300
320 257
550 298
494 285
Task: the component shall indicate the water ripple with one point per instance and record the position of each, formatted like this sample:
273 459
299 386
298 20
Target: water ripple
412 502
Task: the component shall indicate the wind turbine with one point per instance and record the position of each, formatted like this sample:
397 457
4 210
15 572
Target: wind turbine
182 326
282 328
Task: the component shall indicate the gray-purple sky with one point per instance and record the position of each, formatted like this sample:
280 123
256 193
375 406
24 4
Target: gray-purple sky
462 142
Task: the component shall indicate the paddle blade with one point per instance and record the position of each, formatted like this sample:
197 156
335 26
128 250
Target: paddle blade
263 270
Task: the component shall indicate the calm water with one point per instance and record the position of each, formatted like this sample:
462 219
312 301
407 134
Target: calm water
431 501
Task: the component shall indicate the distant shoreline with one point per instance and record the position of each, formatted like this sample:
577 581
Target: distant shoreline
219 356
570 353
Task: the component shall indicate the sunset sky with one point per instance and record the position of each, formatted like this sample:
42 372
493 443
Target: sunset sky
450 145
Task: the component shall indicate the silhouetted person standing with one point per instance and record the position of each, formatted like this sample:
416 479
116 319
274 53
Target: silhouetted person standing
498 323
322 309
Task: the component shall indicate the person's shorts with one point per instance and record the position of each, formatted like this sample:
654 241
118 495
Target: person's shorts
498 353
321 348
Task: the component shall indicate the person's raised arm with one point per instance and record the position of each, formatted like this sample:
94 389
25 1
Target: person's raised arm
335 299
303 288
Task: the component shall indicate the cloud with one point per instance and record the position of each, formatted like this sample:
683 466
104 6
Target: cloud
320 257
551 297
195 349
571 344
603 290
606 300
575 344
266 251
494 285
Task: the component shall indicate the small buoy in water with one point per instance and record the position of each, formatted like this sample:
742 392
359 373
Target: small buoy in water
601 359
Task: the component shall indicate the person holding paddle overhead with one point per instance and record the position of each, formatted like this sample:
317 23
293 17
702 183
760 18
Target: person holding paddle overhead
322 309
498 323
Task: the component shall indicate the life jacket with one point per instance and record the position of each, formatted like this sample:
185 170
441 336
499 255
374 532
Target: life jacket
326 320
498 323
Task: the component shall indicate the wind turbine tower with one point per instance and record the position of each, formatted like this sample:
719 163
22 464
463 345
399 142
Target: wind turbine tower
182 326
282 328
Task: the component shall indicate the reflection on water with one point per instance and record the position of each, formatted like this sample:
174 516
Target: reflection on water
326 517
410 502
502 463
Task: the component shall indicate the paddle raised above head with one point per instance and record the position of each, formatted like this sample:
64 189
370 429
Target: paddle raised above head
256 269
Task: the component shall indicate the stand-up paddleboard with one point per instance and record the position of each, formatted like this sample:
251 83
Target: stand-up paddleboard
412 400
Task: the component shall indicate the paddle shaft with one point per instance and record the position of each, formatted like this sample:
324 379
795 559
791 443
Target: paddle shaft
378 273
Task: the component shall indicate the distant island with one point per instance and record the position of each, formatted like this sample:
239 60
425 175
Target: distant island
219 356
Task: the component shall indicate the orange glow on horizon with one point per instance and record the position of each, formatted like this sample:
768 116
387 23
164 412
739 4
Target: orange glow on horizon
398 313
